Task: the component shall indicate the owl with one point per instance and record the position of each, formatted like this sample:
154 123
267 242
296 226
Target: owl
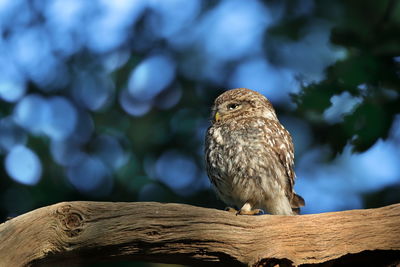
249 155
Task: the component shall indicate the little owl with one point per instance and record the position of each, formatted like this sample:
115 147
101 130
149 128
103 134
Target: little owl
249 155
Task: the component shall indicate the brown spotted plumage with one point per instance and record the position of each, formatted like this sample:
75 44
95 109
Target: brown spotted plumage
249 155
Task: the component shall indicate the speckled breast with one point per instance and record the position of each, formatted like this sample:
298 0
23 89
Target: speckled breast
233 161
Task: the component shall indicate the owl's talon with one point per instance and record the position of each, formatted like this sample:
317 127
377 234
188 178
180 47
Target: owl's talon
260 212
250 212
231 210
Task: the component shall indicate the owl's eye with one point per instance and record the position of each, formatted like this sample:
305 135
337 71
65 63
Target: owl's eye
233 106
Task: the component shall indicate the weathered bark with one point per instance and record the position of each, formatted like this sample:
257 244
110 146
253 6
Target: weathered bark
71 233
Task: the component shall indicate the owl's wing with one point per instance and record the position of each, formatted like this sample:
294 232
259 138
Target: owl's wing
283 147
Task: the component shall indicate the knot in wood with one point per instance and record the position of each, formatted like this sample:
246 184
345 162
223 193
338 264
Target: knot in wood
71 220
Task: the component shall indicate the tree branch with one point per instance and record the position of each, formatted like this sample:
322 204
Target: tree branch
73 233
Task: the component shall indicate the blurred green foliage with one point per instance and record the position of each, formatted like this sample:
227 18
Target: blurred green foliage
369 32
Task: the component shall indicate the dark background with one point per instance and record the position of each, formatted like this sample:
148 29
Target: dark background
109 100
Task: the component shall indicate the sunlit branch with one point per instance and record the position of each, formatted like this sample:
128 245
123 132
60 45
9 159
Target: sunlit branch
73 233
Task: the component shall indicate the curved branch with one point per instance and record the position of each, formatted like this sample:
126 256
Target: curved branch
71 233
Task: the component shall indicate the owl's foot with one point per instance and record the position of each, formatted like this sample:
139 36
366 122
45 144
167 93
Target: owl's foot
250 212
231 210
247 209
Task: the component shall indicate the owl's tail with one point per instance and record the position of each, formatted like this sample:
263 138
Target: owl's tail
297 202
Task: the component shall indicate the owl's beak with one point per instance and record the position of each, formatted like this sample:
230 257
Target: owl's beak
217 116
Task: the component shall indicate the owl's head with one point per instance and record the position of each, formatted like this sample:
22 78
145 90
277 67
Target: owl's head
241 103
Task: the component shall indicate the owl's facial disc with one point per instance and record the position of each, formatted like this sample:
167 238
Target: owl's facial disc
227 109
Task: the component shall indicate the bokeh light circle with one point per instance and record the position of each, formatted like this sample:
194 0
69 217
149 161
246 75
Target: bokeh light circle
23 165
